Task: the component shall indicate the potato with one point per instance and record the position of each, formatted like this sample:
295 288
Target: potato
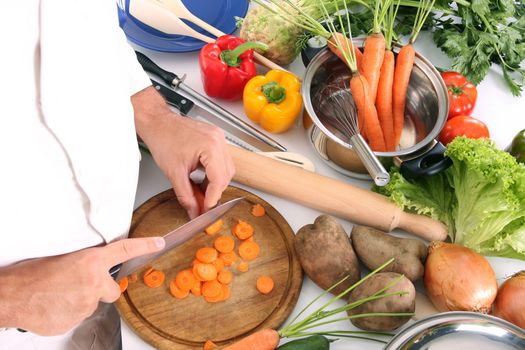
374 248
326 254
392 304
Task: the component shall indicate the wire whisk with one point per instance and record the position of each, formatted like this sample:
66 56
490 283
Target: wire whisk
338 109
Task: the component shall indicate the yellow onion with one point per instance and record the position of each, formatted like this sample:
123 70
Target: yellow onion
510 301
459 279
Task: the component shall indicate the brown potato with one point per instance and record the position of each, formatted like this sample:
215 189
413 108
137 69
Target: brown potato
374 248
391 304
326 254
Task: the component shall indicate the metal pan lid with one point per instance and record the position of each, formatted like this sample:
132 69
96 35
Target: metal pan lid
459 330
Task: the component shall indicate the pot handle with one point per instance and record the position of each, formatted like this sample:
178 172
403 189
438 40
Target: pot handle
308 53
429 163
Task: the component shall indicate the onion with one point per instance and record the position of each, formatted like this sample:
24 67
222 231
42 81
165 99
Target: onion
510 301
459 279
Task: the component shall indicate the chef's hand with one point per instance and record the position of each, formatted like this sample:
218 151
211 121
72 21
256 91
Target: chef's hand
49 296
179 145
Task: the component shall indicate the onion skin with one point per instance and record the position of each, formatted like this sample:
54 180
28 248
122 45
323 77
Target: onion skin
510 301
459 279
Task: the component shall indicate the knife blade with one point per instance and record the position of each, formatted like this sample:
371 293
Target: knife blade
172 79
175 238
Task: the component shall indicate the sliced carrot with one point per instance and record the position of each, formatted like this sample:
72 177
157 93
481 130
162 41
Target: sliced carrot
249 239
224 244
123 284
243 266
249 250
154 278
211 288
196 289
196 273
199 196
219 264
229 258
195 261
225 276
207 254
134 277
207 272
242 229
185 280
258 210
264 284
209 345
223 295
215 227
264 339
176 292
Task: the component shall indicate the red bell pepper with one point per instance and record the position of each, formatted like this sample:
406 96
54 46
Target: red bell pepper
227 65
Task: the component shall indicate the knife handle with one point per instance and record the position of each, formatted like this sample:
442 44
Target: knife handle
174 99
113 272
152 67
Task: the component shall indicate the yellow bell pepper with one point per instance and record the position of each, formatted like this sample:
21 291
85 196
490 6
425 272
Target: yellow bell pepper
273 100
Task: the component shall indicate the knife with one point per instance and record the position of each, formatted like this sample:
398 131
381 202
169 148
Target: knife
266 143
188 108
174 238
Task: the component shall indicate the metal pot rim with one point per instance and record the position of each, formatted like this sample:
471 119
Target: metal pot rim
421 62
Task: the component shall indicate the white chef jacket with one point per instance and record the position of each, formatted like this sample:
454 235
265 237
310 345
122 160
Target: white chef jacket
68 145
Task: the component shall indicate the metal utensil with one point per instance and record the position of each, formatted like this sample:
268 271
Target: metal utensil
233 135
337 106
459 330
202 101
176 238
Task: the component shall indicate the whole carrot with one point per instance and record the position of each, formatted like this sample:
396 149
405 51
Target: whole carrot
374 51
265 339
384 100
340 37
403 70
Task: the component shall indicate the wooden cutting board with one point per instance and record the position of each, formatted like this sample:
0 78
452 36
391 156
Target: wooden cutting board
169 323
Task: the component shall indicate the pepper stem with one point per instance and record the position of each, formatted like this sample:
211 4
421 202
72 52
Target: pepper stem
231 57
274 92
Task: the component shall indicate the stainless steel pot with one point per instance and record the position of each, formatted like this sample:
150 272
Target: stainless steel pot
419 152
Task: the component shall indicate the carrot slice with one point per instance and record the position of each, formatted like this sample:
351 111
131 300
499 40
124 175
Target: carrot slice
209 345
207 272
223 295
207 254
211 288
242 230
176 292
249 250
185 280
258 210
123 284
229 258
196 289
224 244
264 284
243 266
133 277
225 277
219 264
215 227
154 278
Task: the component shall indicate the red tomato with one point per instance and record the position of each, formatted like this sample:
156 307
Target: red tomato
463 126
462 94
197 192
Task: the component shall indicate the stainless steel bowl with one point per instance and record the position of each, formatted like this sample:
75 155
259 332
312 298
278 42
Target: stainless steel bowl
459 330
426 114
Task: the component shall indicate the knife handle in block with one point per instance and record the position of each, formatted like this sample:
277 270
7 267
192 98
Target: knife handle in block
330 196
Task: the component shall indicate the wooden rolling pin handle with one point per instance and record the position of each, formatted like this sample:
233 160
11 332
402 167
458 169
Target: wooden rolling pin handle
328 195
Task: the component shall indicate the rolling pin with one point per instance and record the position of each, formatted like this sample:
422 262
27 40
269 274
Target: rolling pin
329 196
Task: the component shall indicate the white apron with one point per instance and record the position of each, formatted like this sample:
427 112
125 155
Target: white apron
69 152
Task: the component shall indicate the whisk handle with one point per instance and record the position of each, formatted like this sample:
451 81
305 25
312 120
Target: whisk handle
374 167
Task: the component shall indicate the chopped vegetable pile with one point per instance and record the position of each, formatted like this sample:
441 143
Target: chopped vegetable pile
481 197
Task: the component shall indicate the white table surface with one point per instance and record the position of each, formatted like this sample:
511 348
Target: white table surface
503 114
